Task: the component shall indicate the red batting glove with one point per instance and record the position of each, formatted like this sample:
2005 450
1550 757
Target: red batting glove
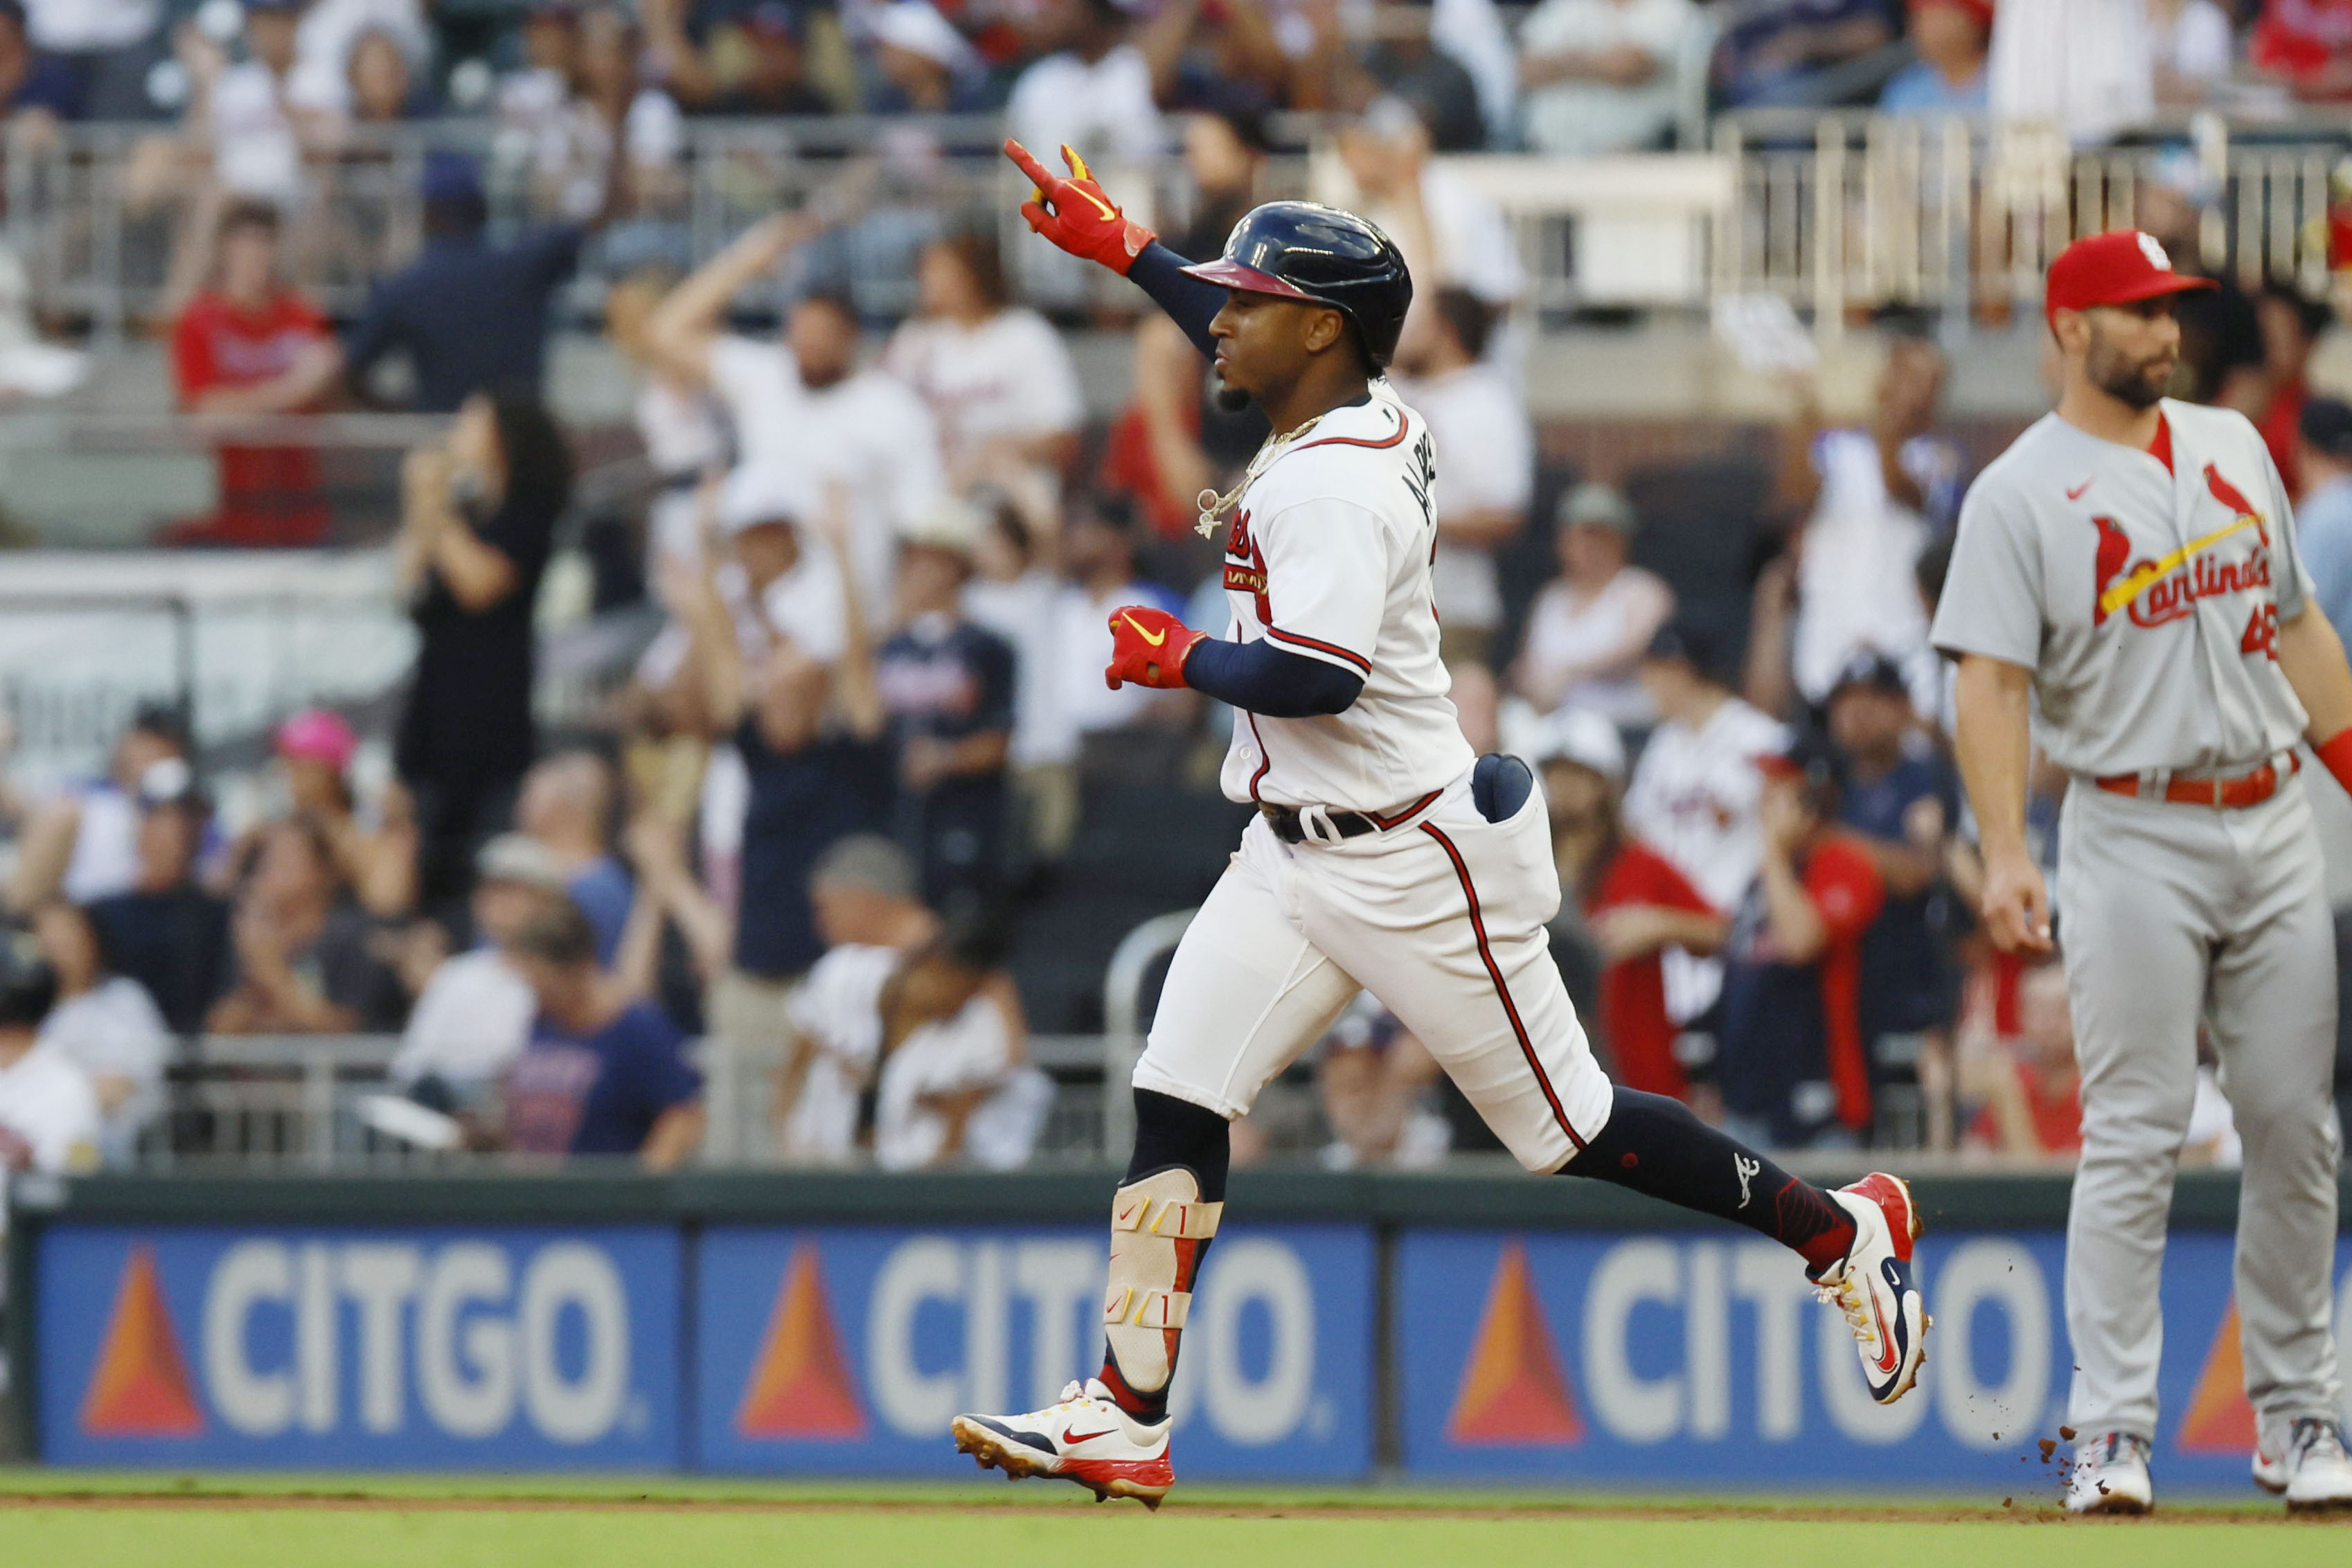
1075 214
2337 752
1148 648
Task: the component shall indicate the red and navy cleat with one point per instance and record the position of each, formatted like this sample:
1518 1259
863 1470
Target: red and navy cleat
1872 1285
1085 1438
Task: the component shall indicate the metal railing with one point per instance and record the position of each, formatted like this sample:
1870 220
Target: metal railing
299 1102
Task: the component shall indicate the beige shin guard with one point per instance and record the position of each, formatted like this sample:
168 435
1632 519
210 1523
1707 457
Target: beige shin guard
1158 1229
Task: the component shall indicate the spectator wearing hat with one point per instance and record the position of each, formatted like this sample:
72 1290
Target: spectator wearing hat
1484 486
1589 626
473 1017
777 653
1951 39
1694 794
378 858
164 931
49 1110
84 844
948 687
468 316
603 1074
926 66
1633 902
1793 1065
1599 76
566 807
249 343
2323 517
477 525
1899 802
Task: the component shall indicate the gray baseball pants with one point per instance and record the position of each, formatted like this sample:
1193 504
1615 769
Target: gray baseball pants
2168 914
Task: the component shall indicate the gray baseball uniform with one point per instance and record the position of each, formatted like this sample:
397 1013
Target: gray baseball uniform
2145 590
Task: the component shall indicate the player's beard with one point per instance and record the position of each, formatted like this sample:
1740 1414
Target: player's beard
2135 383
1231 399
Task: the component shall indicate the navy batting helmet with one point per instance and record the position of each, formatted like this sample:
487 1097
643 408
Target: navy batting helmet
1304 250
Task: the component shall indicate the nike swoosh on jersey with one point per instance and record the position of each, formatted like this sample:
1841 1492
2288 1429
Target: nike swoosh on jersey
1139 631
2076 493
2124 591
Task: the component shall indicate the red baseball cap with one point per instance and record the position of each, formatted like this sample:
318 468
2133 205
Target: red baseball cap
2121 267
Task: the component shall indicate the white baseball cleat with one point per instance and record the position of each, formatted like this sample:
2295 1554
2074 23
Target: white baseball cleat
2110 1476
2314 1474
1085 1438
1872 1285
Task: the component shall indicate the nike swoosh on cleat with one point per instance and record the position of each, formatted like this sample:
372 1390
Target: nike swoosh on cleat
1889 1358
1139 631
1074 1438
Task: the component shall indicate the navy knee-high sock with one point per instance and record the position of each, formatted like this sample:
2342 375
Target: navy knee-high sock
1655 1145
1171 1133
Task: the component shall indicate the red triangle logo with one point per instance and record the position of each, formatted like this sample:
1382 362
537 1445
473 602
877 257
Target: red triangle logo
139 1387
2220 1420
1512 1391
800 1385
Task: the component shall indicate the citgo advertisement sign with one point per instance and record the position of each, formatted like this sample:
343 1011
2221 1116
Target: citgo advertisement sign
423 1349
1692 1358
848 1350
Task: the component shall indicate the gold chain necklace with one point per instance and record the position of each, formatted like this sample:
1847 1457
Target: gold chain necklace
1214 505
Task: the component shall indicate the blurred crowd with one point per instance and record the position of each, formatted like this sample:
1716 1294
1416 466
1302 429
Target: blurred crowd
575 87
873 562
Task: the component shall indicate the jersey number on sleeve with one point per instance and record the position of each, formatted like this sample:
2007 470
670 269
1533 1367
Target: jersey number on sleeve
2262 633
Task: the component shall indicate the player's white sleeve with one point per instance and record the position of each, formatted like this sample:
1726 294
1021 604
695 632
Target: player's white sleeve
1993 597
1327 573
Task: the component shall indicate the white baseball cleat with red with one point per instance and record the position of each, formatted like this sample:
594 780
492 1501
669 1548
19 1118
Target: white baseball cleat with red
2110 1476
1872 1285
1085 1438
2314 1474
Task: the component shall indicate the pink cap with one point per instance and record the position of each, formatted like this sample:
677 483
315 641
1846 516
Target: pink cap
320 734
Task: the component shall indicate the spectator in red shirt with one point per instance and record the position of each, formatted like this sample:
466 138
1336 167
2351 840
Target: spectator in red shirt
250 344
2308 42
1635 903
2030 1086
1793 1071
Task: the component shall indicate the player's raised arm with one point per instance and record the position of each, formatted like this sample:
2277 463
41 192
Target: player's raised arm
1073 213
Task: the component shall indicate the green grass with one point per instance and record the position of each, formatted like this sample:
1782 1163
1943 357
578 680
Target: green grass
82 1519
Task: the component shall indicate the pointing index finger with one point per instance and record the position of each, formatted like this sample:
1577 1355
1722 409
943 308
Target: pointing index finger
1045 179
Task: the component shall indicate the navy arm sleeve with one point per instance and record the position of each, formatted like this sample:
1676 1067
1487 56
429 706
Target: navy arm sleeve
1190 303
1267 679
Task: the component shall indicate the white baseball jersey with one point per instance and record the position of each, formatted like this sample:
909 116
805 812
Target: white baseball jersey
1693 796
2143 588
1328 555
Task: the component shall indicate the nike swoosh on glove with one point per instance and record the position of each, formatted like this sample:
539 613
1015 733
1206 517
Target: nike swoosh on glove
1075 214
1148 648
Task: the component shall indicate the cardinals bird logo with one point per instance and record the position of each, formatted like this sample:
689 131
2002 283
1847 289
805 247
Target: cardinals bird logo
2114 587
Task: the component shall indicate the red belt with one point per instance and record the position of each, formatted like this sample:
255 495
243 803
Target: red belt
2223 794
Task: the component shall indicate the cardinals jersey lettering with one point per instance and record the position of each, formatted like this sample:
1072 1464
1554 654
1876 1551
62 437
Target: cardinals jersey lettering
2145 598
1328 554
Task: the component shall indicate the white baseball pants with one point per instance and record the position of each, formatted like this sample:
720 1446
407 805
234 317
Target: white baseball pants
1442 918
2168 913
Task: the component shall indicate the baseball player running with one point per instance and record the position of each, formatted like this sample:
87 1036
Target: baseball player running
1383 851
2130 564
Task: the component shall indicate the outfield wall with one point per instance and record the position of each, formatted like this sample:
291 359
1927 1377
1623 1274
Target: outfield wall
1475 1327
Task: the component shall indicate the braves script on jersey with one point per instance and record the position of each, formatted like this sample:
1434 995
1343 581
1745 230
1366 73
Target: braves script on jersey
2144 593
1328 555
